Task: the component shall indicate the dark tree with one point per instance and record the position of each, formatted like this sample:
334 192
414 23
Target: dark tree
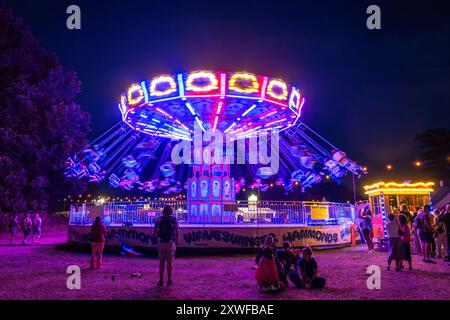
40 124
434 148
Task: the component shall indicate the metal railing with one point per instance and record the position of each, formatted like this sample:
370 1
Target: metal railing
260 212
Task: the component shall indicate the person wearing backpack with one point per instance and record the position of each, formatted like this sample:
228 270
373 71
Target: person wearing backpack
423 224
166 232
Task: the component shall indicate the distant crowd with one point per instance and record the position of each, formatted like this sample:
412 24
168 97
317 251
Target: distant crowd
422 233
29 224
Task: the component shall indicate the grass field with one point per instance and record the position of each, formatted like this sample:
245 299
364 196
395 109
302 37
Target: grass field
39 272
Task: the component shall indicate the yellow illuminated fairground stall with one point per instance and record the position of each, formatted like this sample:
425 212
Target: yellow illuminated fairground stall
387 198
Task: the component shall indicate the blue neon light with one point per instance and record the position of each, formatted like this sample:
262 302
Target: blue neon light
191 109
144 89
180 84
200 123
249 110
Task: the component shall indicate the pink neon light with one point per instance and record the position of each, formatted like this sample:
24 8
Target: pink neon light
276 121
219 107
223 84
276 102
164 113
215 123
199 95
268 114
263 88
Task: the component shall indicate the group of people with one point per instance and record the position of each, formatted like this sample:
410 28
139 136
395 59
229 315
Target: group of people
428 232
433 230
166 232
29 226
275 267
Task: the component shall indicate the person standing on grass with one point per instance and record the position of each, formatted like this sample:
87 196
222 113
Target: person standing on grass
445 218
406 241
404 211
394 242
415 236
166 232
441 237
37 229
425 233
26 228
13 226
306 275
98 239
366 217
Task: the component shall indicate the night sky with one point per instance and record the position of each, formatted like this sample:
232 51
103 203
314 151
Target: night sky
368 92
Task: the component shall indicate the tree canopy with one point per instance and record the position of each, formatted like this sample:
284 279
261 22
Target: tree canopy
434 148
40 123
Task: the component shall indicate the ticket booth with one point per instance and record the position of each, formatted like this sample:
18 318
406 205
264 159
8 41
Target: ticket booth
385 198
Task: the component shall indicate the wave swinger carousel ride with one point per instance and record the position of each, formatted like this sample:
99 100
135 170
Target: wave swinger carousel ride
160 113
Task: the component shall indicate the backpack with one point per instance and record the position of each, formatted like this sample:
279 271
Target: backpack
419 223
166 229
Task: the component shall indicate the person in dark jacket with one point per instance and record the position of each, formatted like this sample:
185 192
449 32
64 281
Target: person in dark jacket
166 232
98 238
288 256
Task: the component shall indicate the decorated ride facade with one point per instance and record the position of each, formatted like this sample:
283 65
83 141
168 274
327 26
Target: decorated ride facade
317 224
387 197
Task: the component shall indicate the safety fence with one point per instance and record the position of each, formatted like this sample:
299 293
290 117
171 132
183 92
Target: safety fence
258 212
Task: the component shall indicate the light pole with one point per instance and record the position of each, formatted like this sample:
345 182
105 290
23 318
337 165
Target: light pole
354 189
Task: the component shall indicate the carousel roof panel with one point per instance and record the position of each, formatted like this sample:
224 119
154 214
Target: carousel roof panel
240 103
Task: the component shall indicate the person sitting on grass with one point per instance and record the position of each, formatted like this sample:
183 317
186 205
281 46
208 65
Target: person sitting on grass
306 275
266 273
269 242
288 257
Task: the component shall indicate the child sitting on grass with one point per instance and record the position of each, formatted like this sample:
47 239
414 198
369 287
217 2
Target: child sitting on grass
266 273
306 275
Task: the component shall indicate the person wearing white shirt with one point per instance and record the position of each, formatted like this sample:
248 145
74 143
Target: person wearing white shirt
394 242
